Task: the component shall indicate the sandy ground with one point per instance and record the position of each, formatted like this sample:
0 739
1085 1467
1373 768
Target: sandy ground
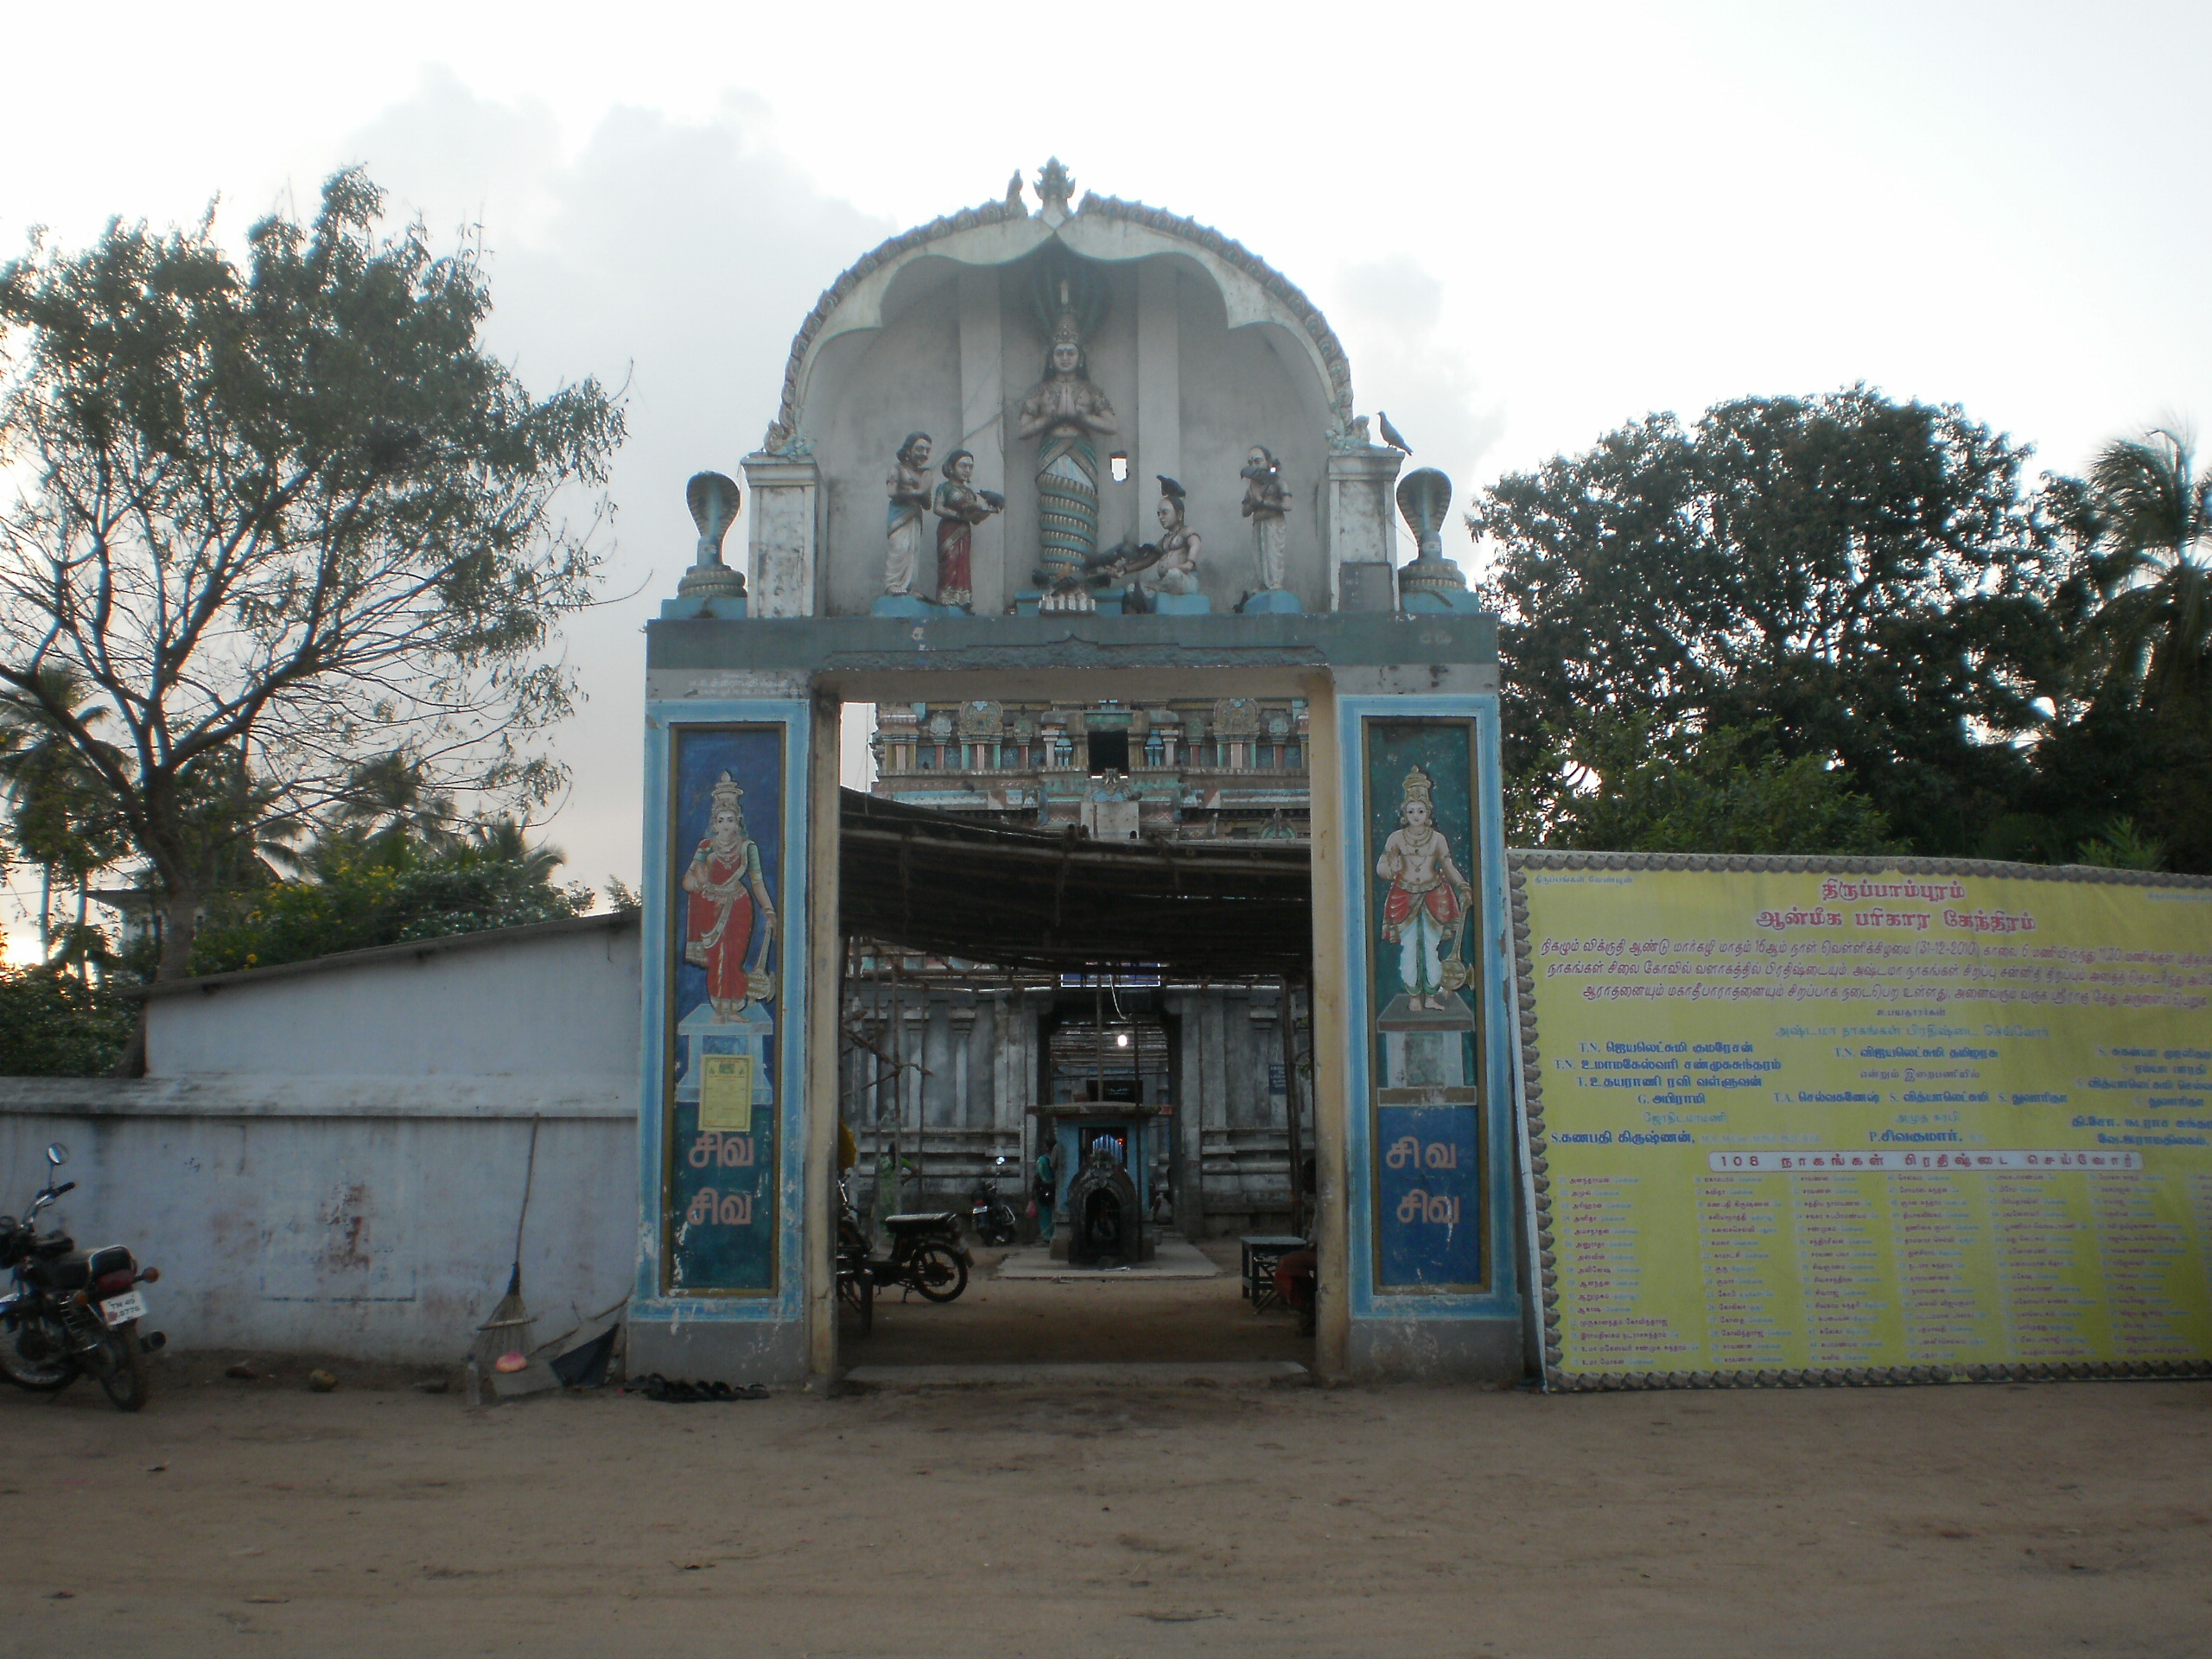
258 1518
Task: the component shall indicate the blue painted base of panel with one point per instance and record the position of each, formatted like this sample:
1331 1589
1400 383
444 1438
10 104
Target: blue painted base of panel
1182 605
913 605
1271 601
1436 1350
665 1337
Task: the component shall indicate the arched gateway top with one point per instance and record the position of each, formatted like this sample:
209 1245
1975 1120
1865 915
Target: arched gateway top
1097 407
1102 228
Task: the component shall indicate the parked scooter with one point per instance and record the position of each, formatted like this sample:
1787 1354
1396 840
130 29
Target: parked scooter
991 1216
926 1256
70 1312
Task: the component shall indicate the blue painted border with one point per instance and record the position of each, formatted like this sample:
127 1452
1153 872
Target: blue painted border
788 1301
1502 1300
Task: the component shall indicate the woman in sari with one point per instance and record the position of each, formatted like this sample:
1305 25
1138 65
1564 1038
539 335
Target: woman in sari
728 905
960 507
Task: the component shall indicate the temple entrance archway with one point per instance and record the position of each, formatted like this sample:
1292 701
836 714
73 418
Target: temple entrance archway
983 425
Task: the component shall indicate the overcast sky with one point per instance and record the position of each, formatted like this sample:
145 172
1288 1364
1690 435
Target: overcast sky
1529 223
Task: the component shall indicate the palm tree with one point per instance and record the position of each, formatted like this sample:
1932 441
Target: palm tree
233 832
2153 568
388 803
505 839
61 815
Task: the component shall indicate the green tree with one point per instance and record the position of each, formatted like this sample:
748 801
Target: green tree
1634 789
386 895
2123 767
281 520
2150 557
2121 846
54 1025
1863 581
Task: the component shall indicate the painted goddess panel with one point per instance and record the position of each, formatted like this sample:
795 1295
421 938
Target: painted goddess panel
726 933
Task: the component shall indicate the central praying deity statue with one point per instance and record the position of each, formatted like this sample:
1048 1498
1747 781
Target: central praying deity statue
1065 411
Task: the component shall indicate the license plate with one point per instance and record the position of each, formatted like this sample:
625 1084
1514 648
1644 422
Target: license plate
128 1305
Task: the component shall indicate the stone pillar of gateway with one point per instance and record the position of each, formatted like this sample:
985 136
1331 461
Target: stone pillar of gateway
1060 456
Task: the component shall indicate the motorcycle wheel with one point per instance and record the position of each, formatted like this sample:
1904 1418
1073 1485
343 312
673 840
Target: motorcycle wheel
124 1378
46 1368
938 1273
857 1288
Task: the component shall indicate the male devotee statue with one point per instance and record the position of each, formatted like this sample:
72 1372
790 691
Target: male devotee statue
1425 910
1065 411
1266 503
960 507
1171 565
728 908
908 487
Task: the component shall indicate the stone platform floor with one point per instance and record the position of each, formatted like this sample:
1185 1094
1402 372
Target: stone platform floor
1172 1258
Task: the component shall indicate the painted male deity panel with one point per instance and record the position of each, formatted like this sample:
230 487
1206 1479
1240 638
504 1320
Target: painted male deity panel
726 931
1424 976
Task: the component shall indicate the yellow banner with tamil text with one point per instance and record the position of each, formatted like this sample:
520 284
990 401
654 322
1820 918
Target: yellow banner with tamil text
1827 1122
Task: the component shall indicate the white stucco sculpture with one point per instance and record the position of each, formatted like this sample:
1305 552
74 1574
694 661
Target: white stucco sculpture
1160 341
908 487
1065 411
1267 503
1171 565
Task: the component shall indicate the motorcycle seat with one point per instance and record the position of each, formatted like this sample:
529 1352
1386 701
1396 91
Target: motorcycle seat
921 1224
72 1270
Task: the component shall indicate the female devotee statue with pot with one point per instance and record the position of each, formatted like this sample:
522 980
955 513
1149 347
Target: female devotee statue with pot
960 507
1065 411
727 906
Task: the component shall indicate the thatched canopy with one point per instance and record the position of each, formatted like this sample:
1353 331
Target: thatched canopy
952 887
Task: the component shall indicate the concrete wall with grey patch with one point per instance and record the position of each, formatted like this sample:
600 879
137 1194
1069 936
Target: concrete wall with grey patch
330 1157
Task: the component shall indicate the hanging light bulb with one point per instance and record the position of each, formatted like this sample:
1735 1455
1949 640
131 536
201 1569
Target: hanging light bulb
1121 1040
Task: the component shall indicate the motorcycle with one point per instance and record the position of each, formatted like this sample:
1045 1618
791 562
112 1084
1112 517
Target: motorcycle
991 1216
926 1256
856 1281
71 1313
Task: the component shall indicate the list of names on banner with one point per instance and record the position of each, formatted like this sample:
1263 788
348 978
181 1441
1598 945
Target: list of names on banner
1804 1122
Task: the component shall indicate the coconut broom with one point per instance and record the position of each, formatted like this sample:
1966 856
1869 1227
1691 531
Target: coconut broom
506 1334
